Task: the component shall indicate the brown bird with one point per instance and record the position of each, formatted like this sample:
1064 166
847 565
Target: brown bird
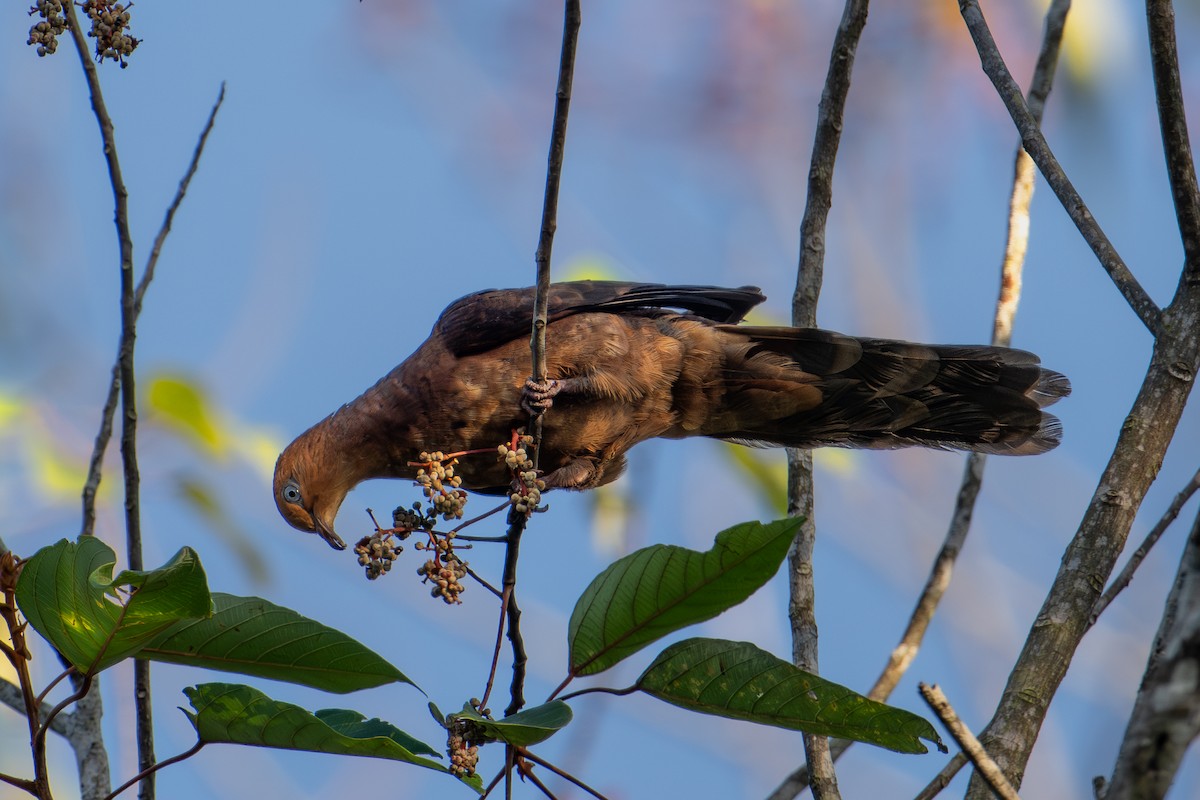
629 362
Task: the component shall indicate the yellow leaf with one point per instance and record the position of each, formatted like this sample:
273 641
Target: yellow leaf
610 520
589 268
840 462
767 475
180 404
55 475
11 407
259 448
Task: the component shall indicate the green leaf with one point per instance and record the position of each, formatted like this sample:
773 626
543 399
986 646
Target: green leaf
234 714
522 729
356 726
251 636
69 596
739 681
662 588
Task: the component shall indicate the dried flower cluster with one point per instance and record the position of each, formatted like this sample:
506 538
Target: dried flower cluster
46 30
437 479
463 742
110 22
528 488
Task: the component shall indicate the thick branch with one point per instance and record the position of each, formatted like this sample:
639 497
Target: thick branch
1166 714
1012 266
1091 555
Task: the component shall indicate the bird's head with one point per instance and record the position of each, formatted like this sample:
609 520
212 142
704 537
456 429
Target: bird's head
306 494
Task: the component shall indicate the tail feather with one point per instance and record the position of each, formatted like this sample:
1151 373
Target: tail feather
878 393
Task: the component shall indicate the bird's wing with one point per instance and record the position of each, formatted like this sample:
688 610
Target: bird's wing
484 320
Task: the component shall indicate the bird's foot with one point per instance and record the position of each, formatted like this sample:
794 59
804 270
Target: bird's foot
537 397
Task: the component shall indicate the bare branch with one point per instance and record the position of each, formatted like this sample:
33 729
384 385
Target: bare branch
1035 144
1147 431
1181 169
166 762
518 520
92 485
1006 306
1166 715
558 141
133 535
984 765
809 276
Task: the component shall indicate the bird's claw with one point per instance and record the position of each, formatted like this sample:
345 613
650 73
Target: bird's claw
537 397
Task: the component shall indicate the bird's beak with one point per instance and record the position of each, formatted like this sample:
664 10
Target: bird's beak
326 533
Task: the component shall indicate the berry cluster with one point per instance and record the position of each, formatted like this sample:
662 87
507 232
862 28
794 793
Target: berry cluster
109 22
463 751
377 552
435 474
528 490
445 570
45 32
463 742
407 520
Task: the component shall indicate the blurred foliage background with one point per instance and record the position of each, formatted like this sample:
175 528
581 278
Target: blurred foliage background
373 161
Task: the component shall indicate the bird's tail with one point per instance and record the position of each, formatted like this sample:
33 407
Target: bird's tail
802 387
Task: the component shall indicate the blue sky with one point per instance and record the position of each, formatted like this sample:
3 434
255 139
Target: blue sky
375 161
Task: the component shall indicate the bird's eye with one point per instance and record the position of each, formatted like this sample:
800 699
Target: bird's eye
291 492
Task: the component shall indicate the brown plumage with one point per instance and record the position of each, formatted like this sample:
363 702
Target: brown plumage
633 362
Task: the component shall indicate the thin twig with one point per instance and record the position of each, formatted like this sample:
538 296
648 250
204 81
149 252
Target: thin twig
1035 144
984 765
21 783
1122 580
92 484
180 192
10 695
57 680
529 775
592 690
156 767
554 166
515 639
1181 169
133 535
487 689
480 580
480 518
943 778
493 784
809 276
18 656
518 520
560 773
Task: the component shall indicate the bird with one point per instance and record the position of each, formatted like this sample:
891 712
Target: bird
627 362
